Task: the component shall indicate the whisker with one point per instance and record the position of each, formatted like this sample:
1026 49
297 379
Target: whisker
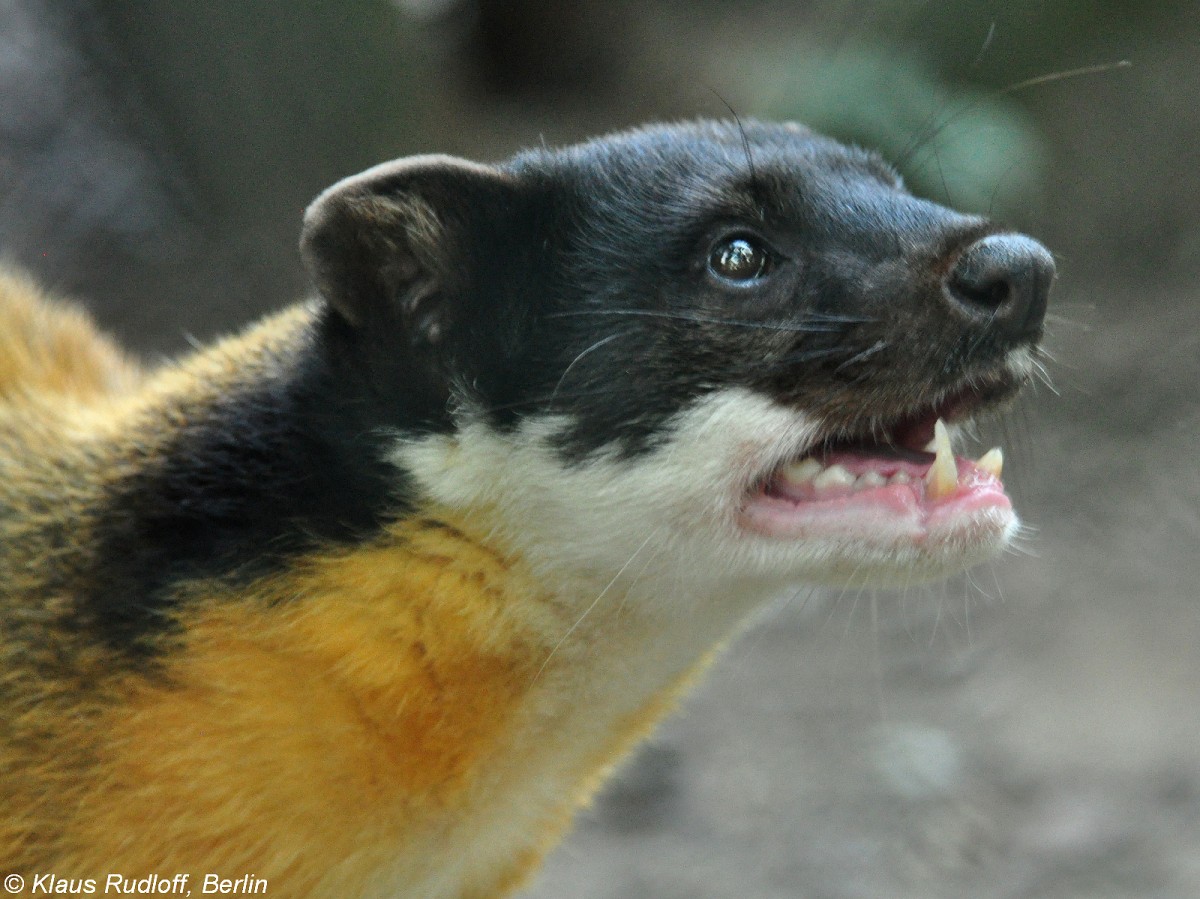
937 618
814 324
755 187
594 346
546 398
812 591
783 361
558 394
833 607
850 618
928 133
1023 542
650 560
1044 376
1001 598
908 622
878 347
978 591
991 207
937 158
987 43
595 602
840 596
877 660
777 610
1072 306
982 334
1049 355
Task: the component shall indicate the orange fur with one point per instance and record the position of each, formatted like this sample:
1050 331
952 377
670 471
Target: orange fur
401 717
382 705
54 349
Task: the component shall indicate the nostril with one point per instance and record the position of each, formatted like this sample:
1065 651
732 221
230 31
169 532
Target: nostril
987 294
1005 277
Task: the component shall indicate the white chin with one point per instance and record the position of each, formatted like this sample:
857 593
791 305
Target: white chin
856 547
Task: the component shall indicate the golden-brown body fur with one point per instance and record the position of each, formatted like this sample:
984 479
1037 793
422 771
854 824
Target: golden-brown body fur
390 703
54 351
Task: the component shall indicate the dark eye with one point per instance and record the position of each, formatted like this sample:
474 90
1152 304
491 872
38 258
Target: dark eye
739 259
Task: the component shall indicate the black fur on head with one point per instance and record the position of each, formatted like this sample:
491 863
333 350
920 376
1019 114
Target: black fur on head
408 255
610 284
589 282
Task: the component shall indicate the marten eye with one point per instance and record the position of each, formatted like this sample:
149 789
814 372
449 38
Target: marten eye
741 259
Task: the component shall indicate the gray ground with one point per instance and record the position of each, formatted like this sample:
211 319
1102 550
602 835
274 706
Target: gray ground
1031 731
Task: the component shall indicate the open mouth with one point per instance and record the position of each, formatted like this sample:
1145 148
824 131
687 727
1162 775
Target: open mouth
903 486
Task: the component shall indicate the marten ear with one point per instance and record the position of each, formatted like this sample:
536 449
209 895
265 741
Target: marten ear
396 241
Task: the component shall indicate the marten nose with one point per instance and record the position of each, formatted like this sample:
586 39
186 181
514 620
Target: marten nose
1003 280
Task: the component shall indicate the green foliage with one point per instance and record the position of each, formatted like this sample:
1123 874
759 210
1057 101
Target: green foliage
958 143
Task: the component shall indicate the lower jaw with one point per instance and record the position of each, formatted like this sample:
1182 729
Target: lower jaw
892 526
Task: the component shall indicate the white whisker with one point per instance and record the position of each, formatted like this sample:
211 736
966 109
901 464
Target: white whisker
594 346
594 603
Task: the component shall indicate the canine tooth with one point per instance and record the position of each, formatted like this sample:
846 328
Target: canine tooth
804 470
833 476
943 473
870 479
992 462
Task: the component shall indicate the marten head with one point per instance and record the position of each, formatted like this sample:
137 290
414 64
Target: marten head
705 352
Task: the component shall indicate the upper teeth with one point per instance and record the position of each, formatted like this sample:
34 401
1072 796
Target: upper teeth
942 477
833 476
810 471
872 479
992 462
804 470
940 481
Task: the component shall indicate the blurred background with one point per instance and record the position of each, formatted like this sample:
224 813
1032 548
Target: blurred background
1032 730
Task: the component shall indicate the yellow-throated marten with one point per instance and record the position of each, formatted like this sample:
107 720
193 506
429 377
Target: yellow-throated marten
365 601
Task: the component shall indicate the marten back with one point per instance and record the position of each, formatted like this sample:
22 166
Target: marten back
55 367
53 350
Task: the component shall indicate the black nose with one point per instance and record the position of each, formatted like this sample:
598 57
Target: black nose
1004 279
